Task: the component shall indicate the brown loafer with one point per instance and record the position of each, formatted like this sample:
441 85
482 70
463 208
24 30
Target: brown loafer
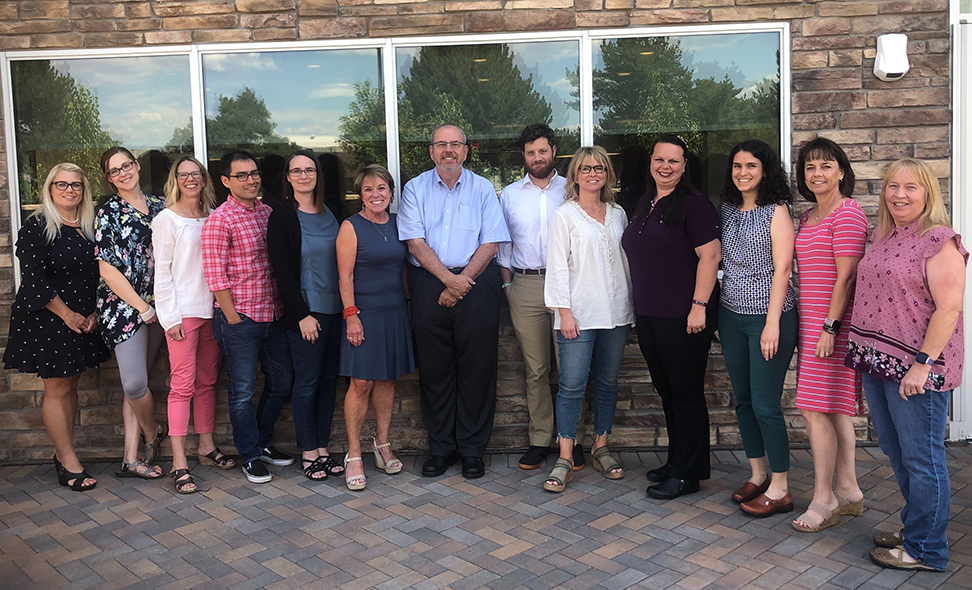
749 490
761 506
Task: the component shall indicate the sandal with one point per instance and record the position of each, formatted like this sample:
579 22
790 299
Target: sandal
151 450
217 459
315 467
393 466
64 476
183 486
894 559
331 466
828 518
138 468
354 482
561 475
605 463
889 540
847 508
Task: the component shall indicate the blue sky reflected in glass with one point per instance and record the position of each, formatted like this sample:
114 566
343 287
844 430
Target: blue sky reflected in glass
141 99
306 92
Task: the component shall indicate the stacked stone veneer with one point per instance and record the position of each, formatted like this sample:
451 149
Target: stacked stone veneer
834 95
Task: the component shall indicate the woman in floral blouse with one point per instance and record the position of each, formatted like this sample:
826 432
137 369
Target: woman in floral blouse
123 247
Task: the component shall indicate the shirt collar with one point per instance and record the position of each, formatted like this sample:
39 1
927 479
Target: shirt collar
438 179
238 205
526 181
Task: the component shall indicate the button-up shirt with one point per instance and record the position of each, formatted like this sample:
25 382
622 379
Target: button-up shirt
528 210
454 222
234 249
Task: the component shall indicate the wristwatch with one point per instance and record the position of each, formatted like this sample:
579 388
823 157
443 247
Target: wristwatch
923 358
831 326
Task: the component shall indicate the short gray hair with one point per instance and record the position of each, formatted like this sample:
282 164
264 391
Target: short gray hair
436 130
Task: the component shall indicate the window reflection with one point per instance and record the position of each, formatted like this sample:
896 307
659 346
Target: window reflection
73 110
713 90
492 91
273 103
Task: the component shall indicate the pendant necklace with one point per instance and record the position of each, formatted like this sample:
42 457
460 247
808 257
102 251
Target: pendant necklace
383 236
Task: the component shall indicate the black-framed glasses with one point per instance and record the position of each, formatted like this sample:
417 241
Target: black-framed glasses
441 145
302 171
187 175
126 167
244 176
62 185
585 169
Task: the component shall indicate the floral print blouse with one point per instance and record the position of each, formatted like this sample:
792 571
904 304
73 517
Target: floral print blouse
123 239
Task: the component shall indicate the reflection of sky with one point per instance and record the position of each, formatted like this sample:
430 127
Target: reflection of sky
307 92
141 99
547 61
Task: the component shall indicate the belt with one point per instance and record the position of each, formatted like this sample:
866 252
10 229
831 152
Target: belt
537 272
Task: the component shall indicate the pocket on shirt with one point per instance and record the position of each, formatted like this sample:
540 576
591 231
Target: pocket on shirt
468 218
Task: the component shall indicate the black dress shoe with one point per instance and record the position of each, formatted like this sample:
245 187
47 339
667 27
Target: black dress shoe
661 474
436 465
534 457
473 467
672 488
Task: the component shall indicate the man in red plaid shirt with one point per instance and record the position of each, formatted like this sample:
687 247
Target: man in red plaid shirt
247 322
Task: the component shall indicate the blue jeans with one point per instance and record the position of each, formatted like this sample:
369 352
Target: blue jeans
607 349
242 345
315 382
912 434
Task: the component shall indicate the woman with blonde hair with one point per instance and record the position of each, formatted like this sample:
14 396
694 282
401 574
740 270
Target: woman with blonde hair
907 339
589 288
53 327
185 308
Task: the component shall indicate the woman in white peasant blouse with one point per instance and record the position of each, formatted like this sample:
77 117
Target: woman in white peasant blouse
589 287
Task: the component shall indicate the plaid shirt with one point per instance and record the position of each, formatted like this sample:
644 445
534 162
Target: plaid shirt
234 249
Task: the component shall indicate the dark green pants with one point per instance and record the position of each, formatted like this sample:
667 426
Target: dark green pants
758 383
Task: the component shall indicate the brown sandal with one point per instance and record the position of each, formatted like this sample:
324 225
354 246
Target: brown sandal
561 475
829 518
605 463
217 459
184 486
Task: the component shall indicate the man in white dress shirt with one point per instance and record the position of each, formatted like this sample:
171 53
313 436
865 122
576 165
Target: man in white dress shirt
528 205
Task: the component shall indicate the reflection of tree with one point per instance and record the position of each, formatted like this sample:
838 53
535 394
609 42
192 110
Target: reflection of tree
57 120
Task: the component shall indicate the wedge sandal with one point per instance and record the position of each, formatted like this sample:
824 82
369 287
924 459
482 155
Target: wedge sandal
561 475
605 463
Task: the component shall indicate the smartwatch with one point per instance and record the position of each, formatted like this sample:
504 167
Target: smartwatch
831 326
923 358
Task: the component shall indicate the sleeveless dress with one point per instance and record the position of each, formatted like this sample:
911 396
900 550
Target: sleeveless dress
386 352
825 384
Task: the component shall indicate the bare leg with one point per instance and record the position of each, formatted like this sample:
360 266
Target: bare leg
133 430
144 410
355 411
778 486
846 464
758 467
823 445
59 410
179 460
601 440
383 398
206 444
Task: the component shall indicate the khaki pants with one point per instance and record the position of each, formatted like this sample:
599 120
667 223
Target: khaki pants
533 324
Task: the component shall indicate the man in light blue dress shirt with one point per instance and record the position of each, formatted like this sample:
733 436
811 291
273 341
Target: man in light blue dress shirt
452 222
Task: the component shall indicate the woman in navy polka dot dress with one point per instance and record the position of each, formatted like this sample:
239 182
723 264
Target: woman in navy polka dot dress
53 328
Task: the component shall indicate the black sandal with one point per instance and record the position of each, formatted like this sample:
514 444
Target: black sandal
331 466
182 485
64 476
314 468
216 459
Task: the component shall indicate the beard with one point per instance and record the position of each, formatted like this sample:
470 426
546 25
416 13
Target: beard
541 169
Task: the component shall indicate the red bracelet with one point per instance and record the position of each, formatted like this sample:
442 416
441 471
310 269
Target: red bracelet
350 311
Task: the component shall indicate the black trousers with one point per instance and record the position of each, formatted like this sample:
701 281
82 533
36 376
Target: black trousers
677 362
457 350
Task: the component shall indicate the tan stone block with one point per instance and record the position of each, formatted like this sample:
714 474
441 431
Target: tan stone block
700 3
819 27
95 26
745 14
141 24
892 152
275 34
850 136
214 21
842 58
939 46
268 20
58 40
8 11
168 37
827 79
924 134
532 4
139 10
813 121
878 25
43 9
828 101
826 9
913 6
421 9
369 11
474 5
522 20
332 28
221 36
317 7
908 98
580 5
264 5
29 419
933 150
32 27
818 43
112 39
98 11
166 8
617 4
601 19
416 25
655 17
25 382
808 60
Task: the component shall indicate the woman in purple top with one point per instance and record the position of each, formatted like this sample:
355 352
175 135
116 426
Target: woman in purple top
673 250
906 338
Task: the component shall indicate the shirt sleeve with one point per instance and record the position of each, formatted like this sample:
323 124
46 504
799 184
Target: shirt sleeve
164 232
215 252
556 286
505 253
32 249
493 229
850 232
410 223
701 221
107 246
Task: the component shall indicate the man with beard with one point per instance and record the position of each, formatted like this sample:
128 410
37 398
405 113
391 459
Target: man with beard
453 224
528 205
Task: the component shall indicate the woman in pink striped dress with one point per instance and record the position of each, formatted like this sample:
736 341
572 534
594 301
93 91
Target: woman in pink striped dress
829 245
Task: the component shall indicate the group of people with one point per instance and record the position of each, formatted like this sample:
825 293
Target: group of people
311 297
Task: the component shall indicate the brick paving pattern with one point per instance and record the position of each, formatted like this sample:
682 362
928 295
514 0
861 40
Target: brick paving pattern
405 531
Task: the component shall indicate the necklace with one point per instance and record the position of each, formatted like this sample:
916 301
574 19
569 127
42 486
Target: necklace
63 220
383 236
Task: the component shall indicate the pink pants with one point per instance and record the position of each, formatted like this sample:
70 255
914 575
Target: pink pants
194 363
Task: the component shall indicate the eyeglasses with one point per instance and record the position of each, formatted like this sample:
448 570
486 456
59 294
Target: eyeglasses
126 167
188 175
441 145
585 169
302 171
63 186
243 176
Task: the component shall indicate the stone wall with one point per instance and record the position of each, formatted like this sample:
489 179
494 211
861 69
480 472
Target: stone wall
834 95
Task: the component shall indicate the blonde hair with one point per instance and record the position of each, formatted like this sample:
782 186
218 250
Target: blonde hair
172 195
52 215
598 153
934 215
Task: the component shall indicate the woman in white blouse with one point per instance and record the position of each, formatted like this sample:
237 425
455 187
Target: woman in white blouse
185 309
589 288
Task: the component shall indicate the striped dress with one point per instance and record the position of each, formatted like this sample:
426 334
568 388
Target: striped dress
826 385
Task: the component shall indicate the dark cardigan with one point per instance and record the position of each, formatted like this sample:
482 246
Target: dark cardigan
283 248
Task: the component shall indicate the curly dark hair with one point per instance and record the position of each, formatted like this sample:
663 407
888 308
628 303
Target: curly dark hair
823 149
773 188
534 132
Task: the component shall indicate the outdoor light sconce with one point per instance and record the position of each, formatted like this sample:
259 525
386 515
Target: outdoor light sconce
891 61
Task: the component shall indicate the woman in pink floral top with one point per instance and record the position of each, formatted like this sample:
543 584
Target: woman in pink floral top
906 338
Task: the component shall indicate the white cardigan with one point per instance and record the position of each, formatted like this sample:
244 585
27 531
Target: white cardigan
587 271
180 289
